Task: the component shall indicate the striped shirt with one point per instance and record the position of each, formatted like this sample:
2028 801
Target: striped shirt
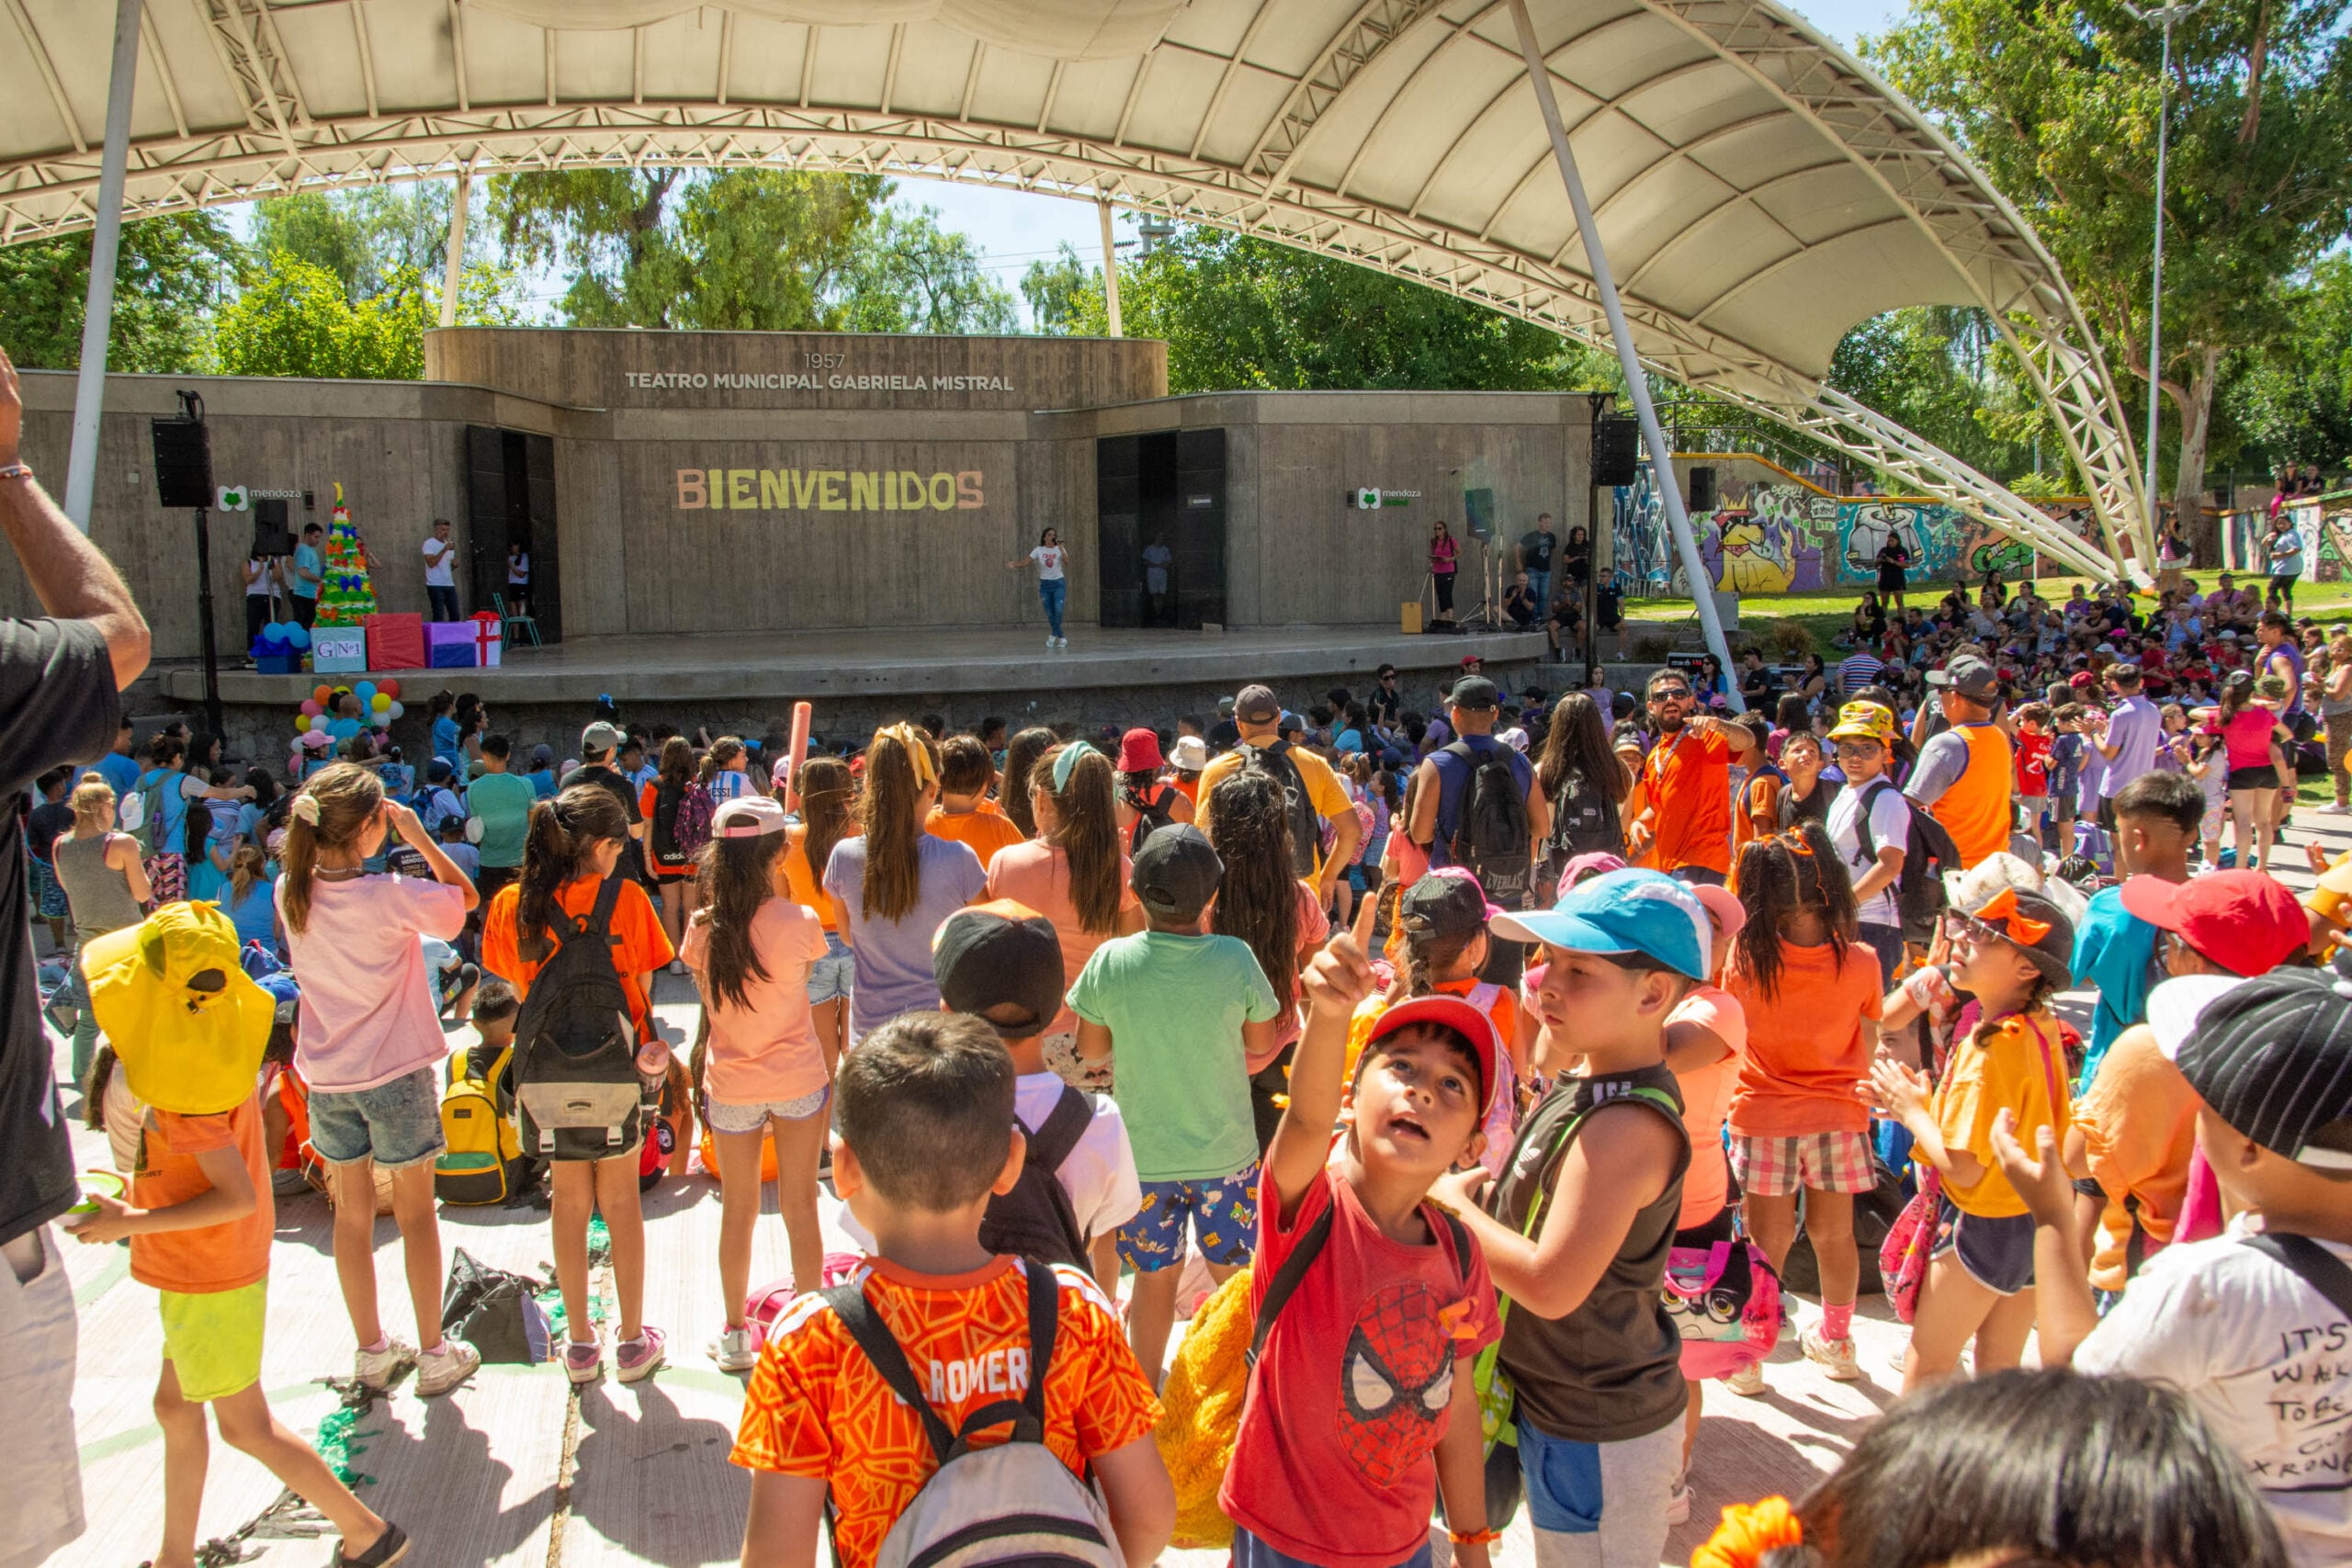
1861 668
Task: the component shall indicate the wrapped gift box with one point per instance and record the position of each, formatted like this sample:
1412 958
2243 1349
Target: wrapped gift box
488 643
450 644
338 650
396 642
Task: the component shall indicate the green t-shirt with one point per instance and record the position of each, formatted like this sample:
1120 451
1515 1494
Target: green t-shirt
502 801
1175 1005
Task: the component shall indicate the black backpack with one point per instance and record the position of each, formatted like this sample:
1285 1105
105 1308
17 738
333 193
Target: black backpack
1584 821
1928 853
661 834
577 1091
1151 816
1305 827
1491 837
1036 1219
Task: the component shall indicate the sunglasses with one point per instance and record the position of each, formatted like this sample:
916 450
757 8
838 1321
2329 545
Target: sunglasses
1669 694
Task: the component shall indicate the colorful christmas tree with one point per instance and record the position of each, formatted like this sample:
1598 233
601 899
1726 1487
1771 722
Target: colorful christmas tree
347 597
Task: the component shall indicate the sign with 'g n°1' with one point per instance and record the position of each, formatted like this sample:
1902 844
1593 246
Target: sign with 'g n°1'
829 490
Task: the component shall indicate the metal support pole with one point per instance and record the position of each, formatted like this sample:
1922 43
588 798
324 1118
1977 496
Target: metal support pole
2156 277
1110 268
1605 284
456 270
106 245
204 621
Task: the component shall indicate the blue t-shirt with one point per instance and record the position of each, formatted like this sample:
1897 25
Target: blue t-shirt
1454 777
2115 953
306 559
543 781
254 915
445 739
118 770
892 972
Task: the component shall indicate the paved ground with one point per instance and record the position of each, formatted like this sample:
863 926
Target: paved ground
516 1469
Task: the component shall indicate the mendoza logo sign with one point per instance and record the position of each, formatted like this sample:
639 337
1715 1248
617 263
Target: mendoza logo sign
828 490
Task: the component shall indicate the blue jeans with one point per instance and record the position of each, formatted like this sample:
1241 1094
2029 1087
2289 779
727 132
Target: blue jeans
1540 585
443 602
1052 593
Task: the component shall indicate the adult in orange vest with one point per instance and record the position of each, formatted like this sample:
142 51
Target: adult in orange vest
1964 775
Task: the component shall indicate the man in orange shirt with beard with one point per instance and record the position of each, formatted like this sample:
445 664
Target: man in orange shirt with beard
1685 828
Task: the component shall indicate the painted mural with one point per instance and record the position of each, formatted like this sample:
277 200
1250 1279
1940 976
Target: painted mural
1772 537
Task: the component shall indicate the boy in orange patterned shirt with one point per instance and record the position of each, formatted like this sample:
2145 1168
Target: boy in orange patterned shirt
926 1137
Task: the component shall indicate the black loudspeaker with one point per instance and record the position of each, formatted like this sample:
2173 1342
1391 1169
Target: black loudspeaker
182 464
1702 490
271 536
1616 450
1478 513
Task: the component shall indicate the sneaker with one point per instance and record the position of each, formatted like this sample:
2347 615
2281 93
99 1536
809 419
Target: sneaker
391 1547
735 1349
1748 1381
439 1370
1049 644
2333 809
1835 1354
1678 1503
376 1369
639 1357
583 1363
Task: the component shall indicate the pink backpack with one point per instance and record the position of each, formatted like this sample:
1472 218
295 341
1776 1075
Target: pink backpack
1725 1302
766 1302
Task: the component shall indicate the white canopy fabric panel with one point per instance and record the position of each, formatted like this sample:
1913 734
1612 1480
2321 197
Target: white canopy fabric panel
1759 190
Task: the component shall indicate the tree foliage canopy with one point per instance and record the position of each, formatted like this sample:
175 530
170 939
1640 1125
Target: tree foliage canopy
170 270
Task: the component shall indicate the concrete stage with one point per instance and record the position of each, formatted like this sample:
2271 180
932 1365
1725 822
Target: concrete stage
905 663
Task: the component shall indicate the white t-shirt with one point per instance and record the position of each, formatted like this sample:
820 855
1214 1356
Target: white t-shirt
518 569
440 574
1099 1175
1049 558
262 587
2265 1357
1890 823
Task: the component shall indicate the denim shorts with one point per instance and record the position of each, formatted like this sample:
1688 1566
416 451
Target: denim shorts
829 976
396 1124
721 1117
1223 1212
1998 1253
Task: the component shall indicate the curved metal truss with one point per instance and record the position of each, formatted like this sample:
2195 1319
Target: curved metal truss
285 145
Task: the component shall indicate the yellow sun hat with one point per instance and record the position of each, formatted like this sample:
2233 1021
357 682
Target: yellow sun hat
1865 721
186 1024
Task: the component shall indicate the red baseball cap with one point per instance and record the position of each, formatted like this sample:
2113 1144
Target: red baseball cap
1452 1012
2245 921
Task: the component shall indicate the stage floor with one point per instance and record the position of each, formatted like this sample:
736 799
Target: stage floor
902 661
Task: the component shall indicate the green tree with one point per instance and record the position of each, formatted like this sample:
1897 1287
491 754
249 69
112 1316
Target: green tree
296 318
911 276
170 271
1057 291
1240 313
605 228
367 236
2296 399
2058 103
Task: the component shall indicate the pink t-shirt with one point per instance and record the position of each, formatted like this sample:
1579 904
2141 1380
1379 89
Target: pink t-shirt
766 1052
367 1015
1314 930
1037 874
1706 1100
2247 736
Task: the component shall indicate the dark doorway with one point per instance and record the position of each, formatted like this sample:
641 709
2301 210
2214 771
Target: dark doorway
1160 501
510 498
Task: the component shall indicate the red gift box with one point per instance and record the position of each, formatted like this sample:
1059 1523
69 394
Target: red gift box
395 642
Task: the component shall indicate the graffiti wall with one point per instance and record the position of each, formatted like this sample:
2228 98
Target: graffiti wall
1774 536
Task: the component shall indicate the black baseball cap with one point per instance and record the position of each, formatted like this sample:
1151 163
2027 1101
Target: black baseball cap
2272 1055
1177 872
1473 692
1971 677
1446 903
1256 704
1000 954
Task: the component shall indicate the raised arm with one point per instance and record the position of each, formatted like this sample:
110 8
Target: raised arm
1337 978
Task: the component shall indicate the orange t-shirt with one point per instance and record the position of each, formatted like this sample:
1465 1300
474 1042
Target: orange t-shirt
1688 783
1806 1046
1037 874
1759 809
641 945
2138 1124
986 830
817 1408
217 1257
804 885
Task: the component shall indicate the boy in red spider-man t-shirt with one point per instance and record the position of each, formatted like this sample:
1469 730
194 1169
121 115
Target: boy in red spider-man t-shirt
1361 1408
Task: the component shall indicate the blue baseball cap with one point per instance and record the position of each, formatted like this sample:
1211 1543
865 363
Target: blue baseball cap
1623 912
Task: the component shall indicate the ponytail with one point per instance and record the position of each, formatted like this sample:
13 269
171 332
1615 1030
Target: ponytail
555 851
330 811
899 763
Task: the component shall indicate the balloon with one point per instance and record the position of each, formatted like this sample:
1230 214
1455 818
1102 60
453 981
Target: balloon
396 710
274 635
383 720
311 709
299 637
366 690
380 702
388 687
320 694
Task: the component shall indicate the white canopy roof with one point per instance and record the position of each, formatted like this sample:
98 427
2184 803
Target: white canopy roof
1758 191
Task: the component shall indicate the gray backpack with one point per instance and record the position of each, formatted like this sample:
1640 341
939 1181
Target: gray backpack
1012 1504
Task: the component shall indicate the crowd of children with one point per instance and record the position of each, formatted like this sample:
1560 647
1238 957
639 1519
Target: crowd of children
1054 1016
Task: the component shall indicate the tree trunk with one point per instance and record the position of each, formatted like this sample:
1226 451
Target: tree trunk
2188 483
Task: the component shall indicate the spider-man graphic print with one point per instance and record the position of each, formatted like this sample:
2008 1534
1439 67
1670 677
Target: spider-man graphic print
1334 1461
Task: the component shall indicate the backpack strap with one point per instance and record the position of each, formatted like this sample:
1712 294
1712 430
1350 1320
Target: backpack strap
1286 1277
1866 841
2312 1264
874 1337
1057 1135
1027 1414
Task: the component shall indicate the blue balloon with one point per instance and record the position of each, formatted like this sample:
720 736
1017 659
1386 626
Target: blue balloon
298 635
274 635
366 692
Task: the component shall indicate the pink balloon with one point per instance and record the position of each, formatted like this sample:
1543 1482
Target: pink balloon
311 709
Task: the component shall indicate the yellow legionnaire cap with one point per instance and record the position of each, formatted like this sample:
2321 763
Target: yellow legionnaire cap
186 1024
